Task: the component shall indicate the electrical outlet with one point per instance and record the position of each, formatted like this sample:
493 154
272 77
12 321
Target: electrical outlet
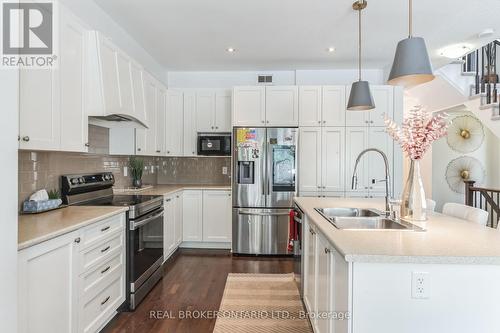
152 168
125 171
420 285
224 170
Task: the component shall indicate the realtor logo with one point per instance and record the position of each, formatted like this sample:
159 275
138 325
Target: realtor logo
28 34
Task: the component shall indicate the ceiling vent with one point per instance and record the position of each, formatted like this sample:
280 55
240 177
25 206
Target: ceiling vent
265 79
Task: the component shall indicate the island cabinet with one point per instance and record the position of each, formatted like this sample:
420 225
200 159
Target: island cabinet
74 282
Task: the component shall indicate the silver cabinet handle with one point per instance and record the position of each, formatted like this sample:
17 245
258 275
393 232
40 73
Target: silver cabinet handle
319 121
263 121
77 240
158 151
168 200
168 151
312 231
105 249
105 270
26 138
105 300
212 127
87 144
371 122
267 121
105 229
327 250
324 121
138 149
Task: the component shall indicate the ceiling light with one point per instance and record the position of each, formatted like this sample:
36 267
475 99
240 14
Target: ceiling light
486 33
230 49
330 49
360 98
411 65
455 51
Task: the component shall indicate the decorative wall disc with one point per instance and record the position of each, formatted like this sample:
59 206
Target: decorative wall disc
465 134
462 169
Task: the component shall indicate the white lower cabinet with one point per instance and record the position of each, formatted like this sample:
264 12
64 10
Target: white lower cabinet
74 282
217 216
326 283
168 227
192 209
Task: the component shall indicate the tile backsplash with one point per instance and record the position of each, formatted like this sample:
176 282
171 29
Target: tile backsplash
43 169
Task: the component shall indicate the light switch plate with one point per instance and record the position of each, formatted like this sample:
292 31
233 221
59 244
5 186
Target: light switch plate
224 170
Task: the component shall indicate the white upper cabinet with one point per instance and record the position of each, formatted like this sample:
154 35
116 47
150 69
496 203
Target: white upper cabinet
356 138
223 103
52 101
333 159
146 138
123 64
333 106
249 106
175 123
72 74
217 216
376 172
205 111
190 133
309 159
310 106
282 106
322 106
383 97
161 108
109 76
136 73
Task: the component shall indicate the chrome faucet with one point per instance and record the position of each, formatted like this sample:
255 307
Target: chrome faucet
387 176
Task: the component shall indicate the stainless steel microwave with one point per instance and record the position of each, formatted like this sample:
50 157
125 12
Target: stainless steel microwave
214 144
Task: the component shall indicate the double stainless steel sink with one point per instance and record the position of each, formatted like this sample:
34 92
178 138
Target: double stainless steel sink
364 219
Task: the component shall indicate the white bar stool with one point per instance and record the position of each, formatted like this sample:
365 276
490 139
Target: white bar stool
467 213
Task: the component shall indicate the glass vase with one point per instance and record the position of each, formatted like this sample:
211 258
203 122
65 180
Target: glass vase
413 202
137 183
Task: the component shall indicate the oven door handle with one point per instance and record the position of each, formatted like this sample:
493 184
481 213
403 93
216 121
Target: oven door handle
137 224
245 212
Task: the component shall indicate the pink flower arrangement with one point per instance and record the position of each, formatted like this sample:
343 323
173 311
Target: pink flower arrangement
418 131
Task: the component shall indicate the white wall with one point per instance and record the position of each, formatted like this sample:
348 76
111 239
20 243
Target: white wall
443 154
228 79
8 201
93 15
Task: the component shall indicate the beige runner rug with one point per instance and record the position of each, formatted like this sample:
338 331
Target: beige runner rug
261 303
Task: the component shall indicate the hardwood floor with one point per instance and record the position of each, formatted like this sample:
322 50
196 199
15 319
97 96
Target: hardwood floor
193 281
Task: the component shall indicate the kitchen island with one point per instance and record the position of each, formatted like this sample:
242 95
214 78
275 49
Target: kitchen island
444 279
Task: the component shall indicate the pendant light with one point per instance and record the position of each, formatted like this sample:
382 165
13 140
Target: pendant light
360 98
411 65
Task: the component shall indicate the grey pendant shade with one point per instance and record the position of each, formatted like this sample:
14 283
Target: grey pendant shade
360 98
411 65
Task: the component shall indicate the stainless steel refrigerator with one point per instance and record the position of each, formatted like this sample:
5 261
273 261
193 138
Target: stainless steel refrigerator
264 185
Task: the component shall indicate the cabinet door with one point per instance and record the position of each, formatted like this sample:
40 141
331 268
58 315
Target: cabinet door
310 264
109 76
356 138
136 73
39 116
383 96
217 216
125 83
282 106
379 139
72 75
223 111
47 287
146 138
175 122
168 228
178 219
310 159
356 118
161 120
333 159
192 209
205 111
310 106
334 106
249 106
190 133
325 284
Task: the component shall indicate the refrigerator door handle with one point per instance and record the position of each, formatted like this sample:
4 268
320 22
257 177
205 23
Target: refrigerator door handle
246 212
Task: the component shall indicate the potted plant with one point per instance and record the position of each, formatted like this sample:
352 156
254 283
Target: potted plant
136 170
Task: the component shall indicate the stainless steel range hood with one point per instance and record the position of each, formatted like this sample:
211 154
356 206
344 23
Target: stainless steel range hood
116 121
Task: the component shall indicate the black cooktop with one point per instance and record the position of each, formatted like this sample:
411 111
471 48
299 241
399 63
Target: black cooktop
126 200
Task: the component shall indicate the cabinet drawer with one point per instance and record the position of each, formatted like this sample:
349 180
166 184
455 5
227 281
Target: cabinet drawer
97 310
96 255
90 280
101 230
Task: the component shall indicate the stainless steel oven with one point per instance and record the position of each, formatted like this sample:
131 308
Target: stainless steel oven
214 144
145 252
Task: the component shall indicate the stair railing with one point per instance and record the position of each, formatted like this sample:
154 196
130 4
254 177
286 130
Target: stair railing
487 199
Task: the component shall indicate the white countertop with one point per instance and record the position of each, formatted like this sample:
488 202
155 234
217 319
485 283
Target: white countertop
446 240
